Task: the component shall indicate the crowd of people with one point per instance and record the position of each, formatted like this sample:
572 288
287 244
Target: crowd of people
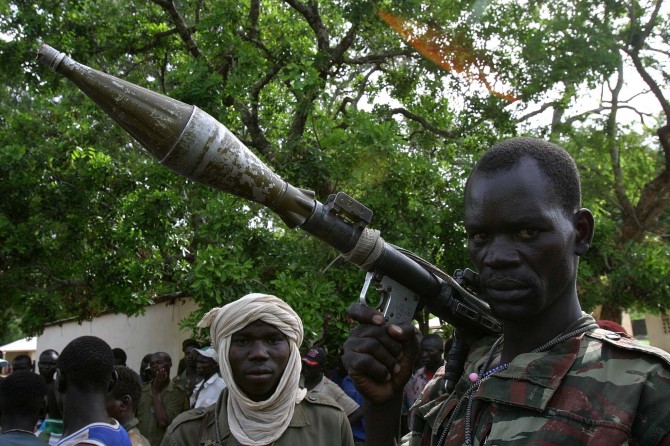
553 377
88 394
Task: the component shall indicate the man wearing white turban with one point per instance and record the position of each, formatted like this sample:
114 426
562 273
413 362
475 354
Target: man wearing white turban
257 339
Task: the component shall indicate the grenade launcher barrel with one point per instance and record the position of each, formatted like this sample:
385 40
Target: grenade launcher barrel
192 143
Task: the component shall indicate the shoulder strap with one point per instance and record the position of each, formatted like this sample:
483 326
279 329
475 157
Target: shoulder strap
623 341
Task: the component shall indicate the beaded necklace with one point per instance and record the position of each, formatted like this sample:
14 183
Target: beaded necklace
478 378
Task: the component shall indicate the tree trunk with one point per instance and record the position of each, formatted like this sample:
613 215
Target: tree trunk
611 313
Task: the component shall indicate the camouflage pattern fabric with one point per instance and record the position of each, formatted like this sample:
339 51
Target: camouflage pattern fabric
598 388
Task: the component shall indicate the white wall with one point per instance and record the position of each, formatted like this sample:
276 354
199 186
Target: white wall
156 330
658 331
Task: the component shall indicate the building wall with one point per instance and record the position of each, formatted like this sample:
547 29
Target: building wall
658 331
156 330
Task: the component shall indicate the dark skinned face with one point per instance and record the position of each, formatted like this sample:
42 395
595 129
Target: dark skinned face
190 356
431 354
205 367
311 372
258 357
521 241
47 365
158 362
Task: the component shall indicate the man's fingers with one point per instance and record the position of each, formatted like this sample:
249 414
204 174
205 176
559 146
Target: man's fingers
402 332
365 315
405 334
371 356
380 335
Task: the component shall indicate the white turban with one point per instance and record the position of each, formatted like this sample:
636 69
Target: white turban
262 422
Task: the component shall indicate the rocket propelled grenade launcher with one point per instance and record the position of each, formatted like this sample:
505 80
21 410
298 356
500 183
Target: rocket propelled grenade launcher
194 144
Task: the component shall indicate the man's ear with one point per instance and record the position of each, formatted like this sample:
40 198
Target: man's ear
59 380
126 402
585 226
113 380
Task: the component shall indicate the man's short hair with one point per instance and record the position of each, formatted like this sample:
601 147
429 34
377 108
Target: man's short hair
128 383
189 343
432 337
165 356
23 358
22 394
553 160
87 363
120 356
48 351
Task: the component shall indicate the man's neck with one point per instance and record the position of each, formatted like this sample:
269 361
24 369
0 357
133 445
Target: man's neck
207 378
313 382
432 368
126 418
81 409
10 423
524 337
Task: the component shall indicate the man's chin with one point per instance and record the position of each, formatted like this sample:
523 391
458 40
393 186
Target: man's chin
511 313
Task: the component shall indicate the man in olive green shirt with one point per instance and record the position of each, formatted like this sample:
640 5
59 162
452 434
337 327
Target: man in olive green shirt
161 400
257 339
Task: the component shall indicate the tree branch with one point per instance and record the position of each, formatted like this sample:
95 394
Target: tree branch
379 58
254 13
311 14
653 86
421 120
157 39
184 31
541 110
360 92
615 155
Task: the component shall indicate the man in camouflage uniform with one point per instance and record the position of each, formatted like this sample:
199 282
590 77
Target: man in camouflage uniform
257 339
554 377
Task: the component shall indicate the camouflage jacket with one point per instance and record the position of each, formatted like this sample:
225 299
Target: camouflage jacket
598 388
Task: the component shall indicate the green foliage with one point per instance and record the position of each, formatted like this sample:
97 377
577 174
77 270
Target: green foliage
333 100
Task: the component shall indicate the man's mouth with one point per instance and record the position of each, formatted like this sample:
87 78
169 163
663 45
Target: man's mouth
259 371
504 284
506 289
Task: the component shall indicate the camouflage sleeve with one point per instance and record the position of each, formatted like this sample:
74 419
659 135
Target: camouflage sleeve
652 421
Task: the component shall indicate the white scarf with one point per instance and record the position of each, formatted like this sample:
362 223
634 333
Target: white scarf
258 423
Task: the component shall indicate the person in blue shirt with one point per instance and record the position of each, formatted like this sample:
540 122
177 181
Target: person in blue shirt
21 397
84 374
358 428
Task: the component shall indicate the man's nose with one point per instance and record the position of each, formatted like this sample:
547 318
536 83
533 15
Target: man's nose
258 350
501 252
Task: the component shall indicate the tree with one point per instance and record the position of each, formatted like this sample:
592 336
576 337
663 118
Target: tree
104 228
553 53
326 93
632 252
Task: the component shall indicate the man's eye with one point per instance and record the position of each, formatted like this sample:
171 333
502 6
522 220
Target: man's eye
478 237
239 342
528 233
275 340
